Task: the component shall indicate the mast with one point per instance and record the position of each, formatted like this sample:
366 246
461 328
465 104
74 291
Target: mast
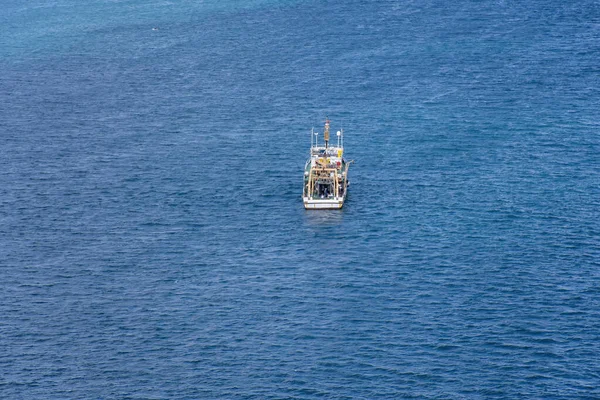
326 133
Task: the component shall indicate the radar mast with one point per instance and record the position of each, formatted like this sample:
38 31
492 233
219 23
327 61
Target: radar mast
326 133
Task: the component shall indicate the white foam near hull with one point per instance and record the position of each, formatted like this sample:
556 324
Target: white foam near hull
322 204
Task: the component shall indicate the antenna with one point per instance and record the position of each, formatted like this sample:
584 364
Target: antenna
326 133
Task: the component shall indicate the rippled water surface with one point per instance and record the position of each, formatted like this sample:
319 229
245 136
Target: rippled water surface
153 242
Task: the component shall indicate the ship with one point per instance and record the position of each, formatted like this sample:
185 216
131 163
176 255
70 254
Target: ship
325 173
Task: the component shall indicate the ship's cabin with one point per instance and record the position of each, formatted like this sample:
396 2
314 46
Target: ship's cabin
324 176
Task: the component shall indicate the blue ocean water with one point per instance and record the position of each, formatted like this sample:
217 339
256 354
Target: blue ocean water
153 242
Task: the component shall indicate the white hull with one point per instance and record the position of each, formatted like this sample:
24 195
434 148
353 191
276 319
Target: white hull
323 204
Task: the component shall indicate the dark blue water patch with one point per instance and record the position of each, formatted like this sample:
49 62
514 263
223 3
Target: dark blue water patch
153 238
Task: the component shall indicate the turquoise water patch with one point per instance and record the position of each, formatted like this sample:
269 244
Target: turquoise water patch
41 29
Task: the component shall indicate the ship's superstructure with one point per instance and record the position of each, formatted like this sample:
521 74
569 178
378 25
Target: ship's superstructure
325 173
